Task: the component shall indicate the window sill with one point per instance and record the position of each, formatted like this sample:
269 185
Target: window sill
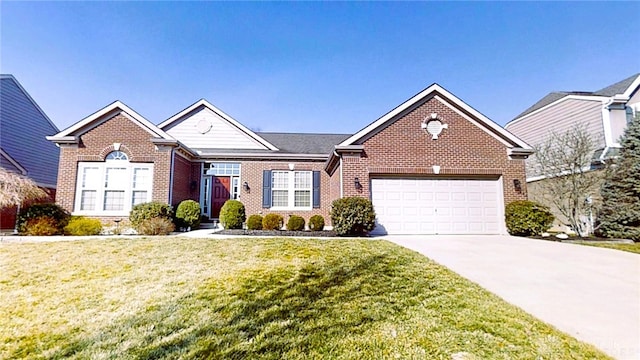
291 208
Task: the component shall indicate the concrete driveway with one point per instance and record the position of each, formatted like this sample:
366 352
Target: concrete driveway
590 293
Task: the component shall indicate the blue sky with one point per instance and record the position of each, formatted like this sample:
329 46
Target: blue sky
311 66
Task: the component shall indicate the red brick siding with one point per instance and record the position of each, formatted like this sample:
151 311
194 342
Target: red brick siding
251 172
463 149
97 142
182 178
8 214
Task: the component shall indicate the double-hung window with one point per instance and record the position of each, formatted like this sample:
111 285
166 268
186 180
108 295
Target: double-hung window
291 190
112 187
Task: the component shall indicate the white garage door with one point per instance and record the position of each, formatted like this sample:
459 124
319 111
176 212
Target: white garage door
437 206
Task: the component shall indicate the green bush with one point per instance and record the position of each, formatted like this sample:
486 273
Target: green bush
254 222
149 210
41 226
232 214
316 223
295 223
188 214
527 218
82 226
352 216
52 211
272 222
156 226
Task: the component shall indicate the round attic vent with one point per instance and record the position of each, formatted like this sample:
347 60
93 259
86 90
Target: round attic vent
204 126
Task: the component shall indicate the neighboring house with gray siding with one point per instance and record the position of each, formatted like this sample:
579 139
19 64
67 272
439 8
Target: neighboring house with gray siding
605 114
24 148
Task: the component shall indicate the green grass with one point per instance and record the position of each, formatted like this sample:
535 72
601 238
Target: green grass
629 247
168 298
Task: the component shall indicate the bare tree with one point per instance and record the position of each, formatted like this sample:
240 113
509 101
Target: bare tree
15 189
568 185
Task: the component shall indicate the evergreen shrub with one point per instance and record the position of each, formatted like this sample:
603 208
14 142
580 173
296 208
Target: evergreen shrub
316 223
232 214
254 222
295 223
353 216
527 218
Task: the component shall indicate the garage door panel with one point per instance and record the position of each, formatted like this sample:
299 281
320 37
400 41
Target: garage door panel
437 206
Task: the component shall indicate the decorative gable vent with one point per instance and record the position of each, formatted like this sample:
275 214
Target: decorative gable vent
433 125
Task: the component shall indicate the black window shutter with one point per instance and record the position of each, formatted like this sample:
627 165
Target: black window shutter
316 189
266 189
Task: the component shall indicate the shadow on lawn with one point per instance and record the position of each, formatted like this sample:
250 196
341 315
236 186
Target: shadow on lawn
270 313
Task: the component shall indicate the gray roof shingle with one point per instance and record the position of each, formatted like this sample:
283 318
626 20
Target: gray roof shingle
304 143
611 90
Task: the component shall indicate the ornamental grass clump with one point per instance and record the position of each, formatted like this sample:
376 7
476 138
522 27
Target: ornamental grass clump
151 218
353 216
527 218
232 214
295 223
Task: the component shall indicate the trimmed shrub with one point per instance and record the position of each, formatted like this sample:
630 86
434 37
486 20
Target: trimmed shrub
527 218
52 211
352 216
254 222
232 214
82 226
156 226
188 214
272 222
295 223
316 223
41 226
149 210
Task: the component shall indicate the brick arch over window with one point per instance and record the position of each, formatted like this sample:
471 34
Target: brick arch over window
109 149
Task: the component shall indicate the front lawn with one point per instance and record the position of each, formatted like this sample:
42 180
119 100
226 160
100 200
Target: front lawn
172 298
630 247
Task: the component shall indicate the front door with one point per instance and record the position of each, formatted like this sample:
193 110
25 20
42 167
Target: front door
219 194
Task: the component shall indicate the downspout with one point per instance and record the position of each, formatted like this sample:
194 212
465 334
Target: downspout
173 155
340 157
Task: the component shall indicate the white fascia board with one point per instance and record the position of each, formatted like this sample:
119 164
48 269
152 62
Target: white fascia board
374 125
450 97
634 85
274 156
130 113
601 99
232 121
486 122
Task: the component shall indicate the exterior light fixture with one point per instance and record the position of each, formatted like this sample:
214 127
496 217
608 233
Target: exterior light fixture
517 185
245 186
356 183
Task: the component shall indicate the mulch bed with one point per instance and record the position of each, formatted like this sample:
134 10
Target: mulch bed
324 233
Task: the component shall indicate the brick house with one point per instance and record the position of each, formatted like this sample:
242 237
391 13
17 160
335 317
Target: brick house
431 165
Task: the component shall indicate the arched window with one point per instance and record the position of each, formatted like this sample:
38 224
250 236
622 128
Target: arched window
117 155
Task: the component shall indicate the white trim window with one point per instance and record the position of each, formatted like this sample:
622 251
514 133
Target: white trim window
112 187
291 189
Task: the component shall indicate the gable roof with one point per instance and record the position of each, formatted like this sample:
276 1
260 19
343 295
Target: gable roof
23 128
204 103
107 112
623 87
436 90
